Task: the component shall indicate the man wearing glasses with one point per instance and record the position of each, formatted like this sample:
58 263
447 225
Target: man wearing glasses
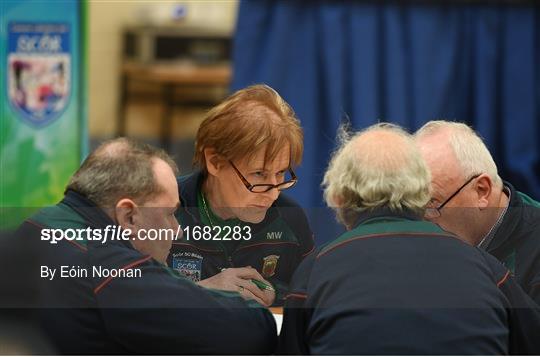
240 233
395 284
470 200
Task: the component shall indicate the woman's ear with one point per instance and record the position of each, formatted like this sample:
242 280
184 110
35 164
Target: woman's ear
483 188
126 214
213 161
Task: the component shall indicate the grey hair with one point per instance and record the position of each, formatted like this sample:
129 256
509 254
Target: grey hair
119 168
471 152
365 174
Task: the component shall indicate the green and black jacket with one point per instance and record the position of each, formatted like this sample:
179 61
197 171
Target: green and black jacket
516 242
159 312
396 285
277 246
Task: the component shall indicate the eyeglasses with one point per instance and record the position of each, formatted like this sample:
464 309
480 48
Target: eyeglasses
265 187
435 212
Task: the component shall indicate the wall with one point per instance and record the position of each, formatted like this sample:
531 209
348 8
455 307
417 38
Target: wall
106 20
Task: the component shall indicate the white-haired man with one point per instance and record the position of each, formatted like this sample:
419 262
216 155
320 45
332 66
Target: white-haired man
396 284
470 200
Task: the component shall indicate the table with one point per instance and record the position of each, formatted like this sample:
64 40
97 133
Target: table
277 312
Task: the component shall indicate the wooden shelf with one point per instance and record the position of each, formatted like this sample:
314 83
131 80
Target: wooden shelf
170 76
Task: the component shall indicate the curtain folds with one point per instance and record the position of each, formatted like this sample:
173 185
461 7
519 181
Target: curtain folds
401 63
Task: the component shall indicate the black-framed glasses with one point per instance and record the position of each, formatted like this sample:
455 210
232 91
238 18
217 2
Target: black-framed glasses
434 212
265 187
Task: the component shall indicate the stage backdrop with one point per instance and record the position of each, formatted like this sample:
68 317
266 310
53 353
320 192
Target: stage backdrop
43 124
374 61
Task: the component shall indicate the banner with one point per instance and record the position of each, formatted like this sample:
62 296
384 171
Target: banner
43 113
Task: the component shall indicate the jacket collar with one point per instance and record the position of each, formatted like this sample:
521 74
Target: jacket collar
92 214
189 186
511 220
385 212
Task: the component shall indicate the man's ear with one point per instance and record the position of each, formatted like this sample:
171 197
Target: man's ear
125 212
483 187
213 161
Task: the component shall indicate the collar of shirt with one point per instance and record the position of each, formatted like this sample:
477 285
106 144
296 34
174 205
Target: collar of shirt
209 218
484 243
191 185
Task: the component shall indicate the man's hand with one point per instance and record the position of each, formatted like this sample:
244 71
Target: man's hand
239 280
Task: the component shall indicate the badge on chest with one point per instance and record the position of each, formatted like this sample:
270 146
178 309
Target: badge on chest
269 265
188 264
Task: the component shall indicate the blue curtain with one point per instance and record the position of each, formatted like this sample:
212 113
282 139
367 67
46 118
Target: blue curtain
401 63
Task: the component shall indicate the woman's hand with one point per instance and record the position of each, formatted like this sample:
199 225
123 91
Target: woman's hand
239 280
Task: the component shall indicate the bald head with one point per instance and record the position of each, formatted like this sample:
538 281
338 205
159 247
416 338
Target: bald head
118 169
464 179
455 150
384 148
441 159
378 167
115 148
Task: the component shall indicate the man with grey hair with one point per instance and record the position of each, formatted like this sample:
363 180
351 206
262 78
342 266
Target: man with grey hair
470 200
105 286
395 284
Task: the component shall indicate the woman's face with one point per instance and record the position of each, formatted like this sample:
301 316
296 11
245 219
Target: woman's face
236 199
